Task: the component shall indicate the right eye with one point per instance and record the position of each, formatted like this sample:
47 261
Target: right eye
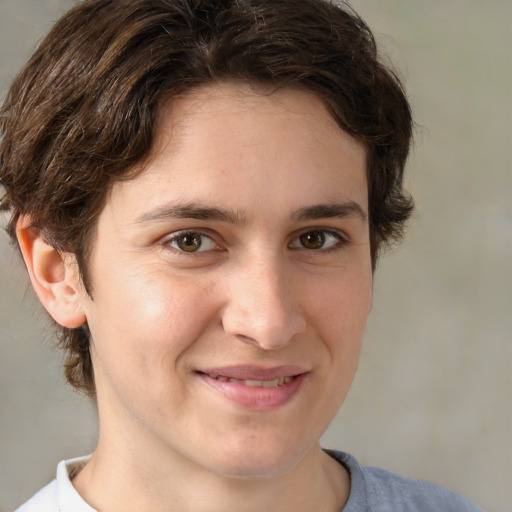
190 242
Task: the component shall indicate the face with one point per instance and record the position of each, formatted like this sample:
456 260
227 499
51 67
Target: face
231 284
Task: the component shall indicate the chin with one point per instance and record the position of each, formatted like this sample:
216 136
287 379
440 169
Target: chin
255 469
256 460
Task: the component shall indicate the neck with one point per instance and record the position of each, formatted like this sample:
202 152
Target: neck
133 468
161 483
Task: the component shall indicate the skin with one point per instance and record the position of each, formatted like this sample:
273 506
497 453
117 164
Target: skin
278 281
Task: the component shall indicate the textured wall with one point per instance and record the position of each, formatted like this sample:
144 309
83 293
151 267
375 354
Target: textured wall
433 395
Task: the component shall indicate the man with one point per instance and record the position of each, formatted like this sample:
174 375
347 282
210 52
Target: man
200 192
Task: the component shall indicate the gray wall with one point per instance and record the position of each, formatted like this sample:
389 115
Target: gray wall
433 395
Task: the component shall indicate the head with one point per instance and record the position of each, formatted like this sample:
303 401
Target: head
82 114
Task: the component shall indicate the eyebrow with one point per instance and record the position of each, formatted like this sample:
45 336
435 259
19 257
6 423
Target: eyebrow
331 210
198 212
191 211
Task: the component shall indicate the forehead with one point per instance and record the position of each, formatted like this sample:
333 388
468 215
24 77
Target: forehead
237 145
238 110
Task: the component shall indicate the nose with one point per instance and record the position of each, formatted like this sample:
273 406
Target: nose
262 306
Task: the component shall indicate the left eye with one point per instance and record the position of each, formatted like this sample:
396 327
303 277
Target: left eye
316 240
191 241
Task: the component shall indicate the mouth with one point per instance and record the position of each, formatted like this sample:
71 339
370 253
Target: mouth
253 383
255 388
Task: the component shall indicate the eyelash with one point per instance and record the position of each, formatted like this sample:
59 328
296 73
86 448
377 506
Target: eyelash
175 237
337 241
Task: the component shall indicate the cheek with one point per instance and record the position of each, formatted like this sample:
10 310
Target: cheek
149 318
344 301
339 314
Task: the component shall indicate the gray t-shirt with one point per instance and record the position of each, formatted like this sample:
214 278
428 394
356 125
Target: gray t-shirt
372 490
376 490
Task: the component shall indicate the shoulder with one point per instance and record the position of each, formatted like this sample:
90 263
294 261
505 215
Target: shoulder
44 501
59 495
377 490
414 494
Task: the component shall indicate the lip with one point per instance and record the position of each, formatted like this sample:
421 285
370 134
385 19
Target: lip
254 396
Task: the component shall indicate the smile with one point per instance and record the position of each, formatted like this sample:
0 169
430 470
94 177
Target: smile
253 388
254 383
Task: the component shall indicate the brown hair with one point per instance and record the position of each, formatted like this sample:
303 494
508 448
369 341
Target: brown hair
82 112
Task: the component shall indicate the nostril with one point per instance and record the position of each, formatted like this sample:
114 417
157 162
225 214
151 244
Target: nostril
245 338
262 310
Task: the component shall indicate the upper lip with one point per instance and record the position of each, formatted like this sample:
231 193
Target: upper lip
253 372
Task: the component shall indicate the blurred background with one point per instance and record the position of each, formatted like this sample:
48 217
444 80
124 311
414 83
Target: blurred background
433 395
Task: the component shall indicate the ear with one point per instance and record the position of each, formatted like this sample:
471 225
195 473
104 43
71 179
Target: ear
54 276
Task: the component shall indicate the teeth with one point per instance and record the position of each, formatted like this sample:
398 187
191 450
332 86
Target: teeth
254 383
250 383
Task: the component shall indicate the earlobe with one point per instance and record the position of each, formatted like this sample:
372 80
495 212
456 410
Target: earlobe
54 276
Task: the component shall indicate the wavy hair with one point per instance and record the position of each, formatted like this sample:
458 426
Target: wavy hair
81 114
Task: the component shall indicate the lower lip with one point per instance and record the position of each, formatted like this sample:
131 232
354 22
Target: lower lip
257 398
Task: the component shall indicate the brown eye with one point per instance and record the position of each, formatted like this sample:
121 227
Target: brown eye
320 240
312 240
189 242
